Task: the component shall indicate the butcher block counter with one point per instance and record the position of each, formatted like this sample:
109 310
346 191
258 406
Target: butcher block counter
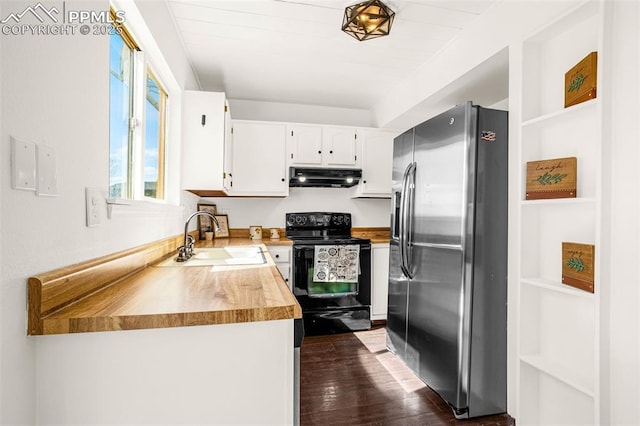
129 291
143 363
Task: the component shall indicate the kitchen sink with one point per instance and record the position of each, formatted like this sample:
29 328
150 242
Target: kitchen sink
221 256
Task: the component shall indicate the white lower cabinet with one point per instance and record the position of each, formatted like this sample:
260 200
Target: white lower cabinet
281 255
379 280
206 375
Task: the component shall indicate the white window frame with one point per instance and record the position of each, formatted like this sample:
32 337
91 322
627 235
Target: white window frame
150 59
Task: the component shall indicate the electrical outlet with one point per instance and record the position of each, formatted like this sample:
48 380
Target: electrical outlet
93 199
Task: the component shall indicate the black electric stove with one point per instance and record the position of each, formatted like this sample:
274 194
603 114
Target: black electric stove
331 272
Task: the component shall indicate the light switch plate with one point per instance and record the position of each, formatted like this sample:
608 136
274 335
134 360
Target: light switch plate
46 171
94 203
23 165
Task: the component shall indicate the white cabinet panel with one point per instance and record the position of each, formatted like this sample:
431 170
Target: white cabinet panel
321 146
203 139
304 145
379 280
376 160
281 255
258 163
339 146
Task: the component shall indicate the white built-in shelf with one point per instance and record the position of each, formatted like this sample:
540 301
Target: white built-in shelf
558 361
559 202
556 28
555 286
577 380
561 115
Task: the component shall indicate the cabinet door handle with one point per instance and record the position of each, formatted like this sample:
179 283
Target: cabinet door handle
277 256
319 152
331 152
282 179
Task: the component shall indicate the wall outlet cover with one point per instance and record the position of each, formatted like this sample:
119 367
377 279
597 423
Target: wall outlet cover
94 203
23 165
46 171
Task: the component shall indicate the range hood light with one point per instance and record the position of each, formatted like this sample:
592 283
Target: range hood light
320 177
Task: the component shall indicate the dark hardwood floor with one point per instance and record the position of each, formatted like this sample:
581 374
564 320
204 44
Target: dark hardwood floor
351 379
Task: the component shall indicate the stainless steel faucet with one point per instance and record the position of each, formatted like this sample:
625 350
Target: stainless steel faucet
186 250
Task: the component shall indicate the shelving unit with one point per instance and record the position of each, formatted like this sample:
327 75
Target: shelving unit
558 375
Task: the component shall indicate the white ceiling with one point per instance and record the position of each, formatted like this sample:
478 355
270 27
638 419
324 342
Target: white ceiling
293 51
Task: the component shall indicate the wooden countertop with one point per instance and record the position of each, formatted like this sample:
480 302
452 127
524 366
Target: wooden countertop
126 290
376 235
82 299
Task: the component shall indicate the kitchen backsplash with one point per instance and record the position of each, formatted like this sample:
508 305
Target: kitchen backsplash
270 212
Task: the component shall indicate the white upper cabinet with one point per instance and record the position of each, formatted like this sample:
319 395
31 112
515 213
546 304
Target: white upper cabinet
258 166
304 145
228 151
339 146
376 160
203 134
321 146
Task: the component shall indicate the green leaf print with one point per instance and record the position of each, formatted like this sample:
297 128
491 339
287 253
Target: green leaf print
576 264
549 179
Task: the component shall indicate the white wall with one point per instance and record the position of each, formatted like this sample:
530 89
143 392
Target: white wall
623 326
296 113
56 93
270 212
503 24
1 162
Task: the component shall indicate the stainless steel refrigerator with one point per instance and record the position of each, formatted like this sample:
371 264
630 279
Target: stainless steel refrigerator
447 315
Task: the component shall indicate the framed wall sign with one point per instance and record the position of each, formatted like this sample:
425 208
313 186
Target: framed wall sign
204 222
223 232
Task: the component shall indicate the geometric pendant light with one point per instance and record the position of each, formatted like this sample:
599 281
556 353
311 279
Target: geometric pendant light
367 20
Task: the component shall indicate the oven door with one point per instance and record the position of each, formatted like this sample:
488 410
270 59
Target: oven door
333 292
331 307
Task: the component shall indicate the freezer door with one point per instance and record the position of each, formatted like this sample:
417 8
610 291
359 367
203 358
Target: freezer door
397 298
439 303
441 155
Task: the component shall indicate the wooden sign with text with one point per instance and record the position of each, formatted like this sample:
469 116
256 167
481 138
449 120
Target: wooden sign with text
578 265
580 81
552 178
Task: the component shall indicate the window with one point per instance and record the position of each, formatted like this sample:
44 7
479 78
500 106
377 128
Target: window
120 114
137 123
155 118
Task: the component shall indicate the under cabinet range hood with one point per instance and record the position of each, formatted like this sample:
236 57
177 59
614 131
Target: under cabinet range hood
316 177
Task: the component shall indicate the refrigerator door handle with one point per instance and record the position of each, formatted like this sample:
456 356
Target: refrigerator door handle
411 183
401 221
408 182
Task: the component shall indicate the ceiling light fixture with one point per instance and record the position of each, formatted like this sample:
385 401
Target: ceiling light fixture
367 20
